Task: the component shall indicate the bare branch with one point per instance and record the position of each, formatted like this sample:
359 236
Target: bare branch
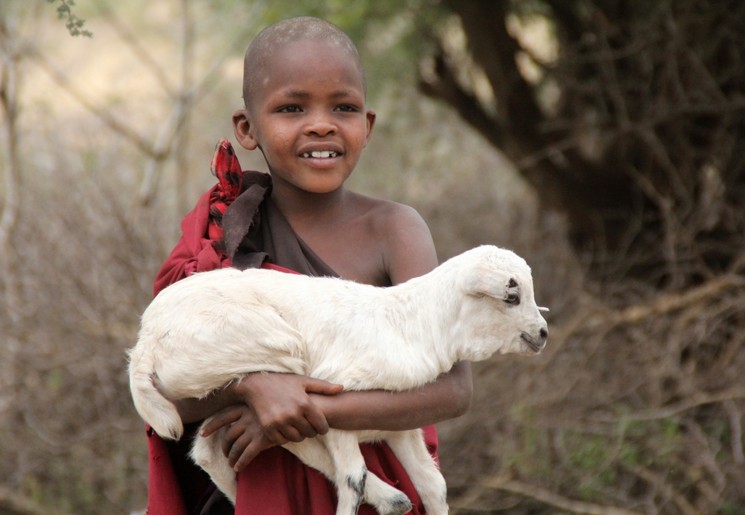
657 307
9 267
9 102
442 84
735 422
125 131
546 496
13 502
188 94
696 400
145 56
661 485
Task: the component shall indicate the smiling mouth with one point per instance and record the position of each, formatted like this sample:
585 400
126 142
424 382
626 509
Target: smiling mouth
321 154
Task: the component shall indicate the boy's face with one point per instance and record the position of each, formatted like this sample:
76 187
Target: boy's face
308 116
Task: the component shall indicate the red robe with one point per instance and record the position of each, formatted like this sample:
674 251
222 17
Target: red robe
255 234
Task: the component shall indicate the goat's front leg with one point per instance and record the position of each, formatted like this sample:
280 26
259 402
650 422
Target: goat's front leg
350 471
411 451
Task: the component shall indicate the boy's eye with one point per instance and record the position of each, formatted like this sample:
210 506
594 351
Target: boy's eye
347 108
289 109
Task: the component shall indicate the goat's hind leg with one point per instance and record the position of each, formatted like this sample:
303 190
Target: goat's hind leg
337 455
207 453
315 453
386 499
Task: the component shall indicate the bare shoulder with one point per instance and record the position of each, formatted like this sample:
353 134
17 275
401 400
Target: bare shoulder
405 240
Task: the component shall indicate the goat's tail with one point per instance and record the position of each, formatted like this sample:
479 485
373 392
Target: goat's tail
152 406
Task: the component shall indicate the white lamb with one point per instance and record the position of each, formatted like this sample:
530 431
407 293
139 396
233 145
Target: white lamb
215 327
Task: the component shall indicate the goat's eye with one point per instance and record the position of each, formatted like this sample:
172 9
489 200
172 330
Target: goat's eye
512 297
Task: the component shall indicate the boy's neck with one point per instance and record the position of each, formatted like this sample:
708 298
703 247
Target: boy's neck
310 210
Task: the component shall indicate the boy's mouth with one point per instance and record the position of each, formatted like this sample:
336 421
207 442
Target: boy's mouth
321 154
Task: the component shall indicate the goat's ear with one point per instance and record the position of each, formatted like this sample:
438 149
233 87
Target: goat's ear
487 282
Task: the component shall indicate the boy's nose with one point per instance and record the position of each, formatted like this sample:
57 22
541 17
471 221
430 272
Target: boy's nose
320 125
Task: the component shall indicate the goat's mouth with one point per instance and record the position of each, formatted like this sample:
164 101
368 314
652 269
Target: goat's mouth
534 344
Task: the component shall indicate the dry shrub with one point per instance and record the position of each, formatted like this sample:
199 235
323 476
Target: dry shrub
636 406
71 441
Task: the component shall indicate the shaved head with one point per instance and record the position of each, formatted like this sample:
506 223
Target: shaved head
260 53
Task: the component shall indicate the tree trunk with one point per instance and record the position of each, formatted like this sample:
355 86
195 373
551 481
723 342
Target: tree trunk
640 151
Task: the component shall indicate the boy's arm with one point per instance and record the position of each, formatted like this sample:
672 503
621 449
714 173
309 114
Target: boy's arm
446 398
246 436
281 403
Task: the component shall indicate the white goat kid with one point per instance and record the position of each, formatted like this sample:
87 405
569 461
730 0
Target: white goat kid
212 328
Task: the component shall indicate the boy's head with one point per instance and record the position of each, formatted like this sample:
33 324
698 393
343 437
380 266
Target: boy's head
305 106
262 50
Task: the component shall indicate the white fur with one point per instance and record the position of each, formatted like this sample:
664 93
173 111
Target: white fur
215 327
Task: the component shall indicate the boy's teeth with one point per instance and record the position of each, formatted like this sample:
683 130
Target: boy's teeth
323 154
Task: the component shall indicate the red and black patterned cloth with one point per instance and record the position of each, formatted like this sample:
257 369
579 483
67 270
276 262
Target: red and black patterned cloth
227 169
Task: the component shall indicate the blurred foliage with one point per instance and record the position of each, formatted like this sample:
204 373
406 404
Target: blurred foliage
73 23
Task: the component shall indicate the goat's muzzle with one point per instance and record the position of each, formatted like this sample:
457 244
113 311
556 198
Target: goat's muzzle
535 343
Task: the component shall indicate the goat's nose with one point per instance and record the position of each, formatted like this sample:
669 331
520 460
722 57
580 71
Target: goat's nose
544 336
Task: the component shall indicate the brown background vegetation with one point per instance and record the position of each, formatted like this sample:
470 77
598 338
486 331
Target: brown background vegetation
618 176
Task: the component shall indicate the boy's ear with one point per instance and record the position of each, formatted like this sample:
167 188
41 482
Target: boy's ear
370 114
243 130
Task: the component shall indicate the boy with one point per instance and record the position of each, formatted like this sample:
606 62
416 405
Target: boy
304 95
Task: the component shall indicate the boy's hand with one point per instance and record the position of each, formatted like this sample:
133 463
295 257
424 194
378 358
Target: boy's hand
277 410
243 439
283 407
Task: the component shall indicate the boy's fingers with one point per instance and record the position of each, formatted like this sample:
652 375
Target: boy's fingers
239 460
313 385
221 419
308 429
283 434
299 432
318 421
231 436
237 449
